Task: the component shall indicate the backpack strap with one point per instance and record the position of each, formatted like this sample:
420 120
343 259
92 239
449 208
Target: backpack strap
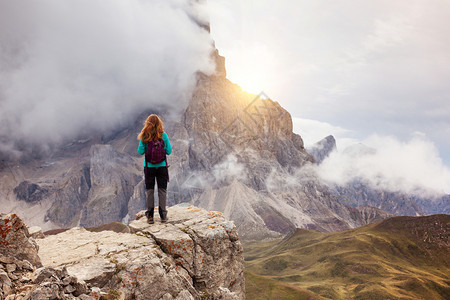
167 167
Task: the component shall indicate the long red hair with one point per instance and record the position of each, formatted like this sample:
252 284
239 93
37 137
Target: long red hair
153 129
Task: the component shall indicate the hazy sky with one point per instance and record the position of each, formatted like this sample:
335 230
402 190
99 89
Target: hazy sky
349 68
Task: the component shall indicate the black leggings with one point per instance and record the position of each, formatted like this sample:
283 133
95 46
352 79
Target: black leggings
159 173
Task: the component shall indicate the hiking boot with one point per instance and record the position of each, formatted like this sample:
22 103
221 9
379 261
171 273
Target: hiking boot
149 215
162 214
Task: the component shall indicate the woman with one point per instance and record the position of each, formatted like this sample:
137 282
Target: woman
150 138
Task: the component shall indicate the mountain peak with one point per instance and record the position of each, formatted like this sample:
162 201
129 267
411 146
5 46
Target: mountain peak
322 148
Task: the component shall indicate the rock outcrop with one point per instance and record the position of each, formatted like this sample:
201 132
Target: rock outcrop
21 273
15 240
196 254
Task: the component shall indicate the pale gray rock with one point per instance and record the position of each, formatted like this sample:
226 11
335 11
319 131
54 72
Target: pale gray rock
137 201
5 278
11 268
36 232
113 177
71 194
13 276
26 265
25 279
15 240
43 274
86 297
197 253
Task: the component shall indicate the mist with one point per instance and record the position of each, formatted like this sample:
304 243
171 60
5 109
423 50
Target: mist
71 67
385 162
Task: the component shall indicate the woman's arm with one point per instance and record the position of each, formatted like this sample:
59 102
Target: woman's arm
141 148
167 145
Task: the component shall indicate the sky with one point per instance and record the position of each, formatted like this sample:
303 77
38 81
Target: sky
349 68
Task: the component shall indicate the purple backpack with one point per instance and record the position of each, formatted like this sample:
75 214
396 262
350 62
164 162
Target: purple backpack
155 152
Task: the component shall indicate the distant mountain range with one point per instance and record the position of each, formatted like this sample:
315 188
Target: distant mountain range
359 192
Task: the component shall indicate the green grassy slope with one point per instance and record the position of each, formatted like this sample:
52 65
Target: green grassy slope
398 258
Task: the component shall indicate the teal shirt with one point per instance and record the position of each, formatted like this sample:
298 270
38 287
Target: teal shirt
143 146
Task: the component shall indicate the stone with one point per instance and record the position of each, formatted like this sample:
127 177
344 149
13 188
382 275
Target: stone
15 239
43 274
80 288
61 272
69 289
6 259
40 293
96 292
11 268
26 265
86 297
184 295
36 232
4 278
24 279
6 288
13 276
69 280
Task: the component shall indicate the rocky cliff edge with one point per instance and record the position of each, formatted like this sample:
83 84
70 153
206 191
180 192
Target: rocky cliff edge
196 255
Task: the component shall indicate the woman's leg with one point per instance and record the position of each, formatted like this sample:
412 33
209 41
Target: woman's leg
150 175
161 179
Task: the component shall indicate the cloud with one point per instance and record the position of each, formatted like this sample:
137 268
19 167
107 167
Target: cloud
374 66
70 67
412 166
313 131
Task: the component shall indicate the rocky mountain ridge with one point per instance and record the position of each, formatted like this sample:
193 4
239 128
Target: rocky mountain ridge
359 192
197 254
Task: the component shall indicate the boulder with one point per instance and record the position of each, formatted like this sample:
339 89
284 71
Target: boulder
15 240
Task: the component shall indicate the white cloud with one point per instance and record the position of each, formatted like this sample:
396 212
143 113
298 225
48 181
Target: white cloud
373 66
229 169
412 166
77 65
313 131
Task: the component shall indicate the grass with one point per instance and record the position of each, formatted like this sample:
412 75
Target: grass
393 259
261 287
